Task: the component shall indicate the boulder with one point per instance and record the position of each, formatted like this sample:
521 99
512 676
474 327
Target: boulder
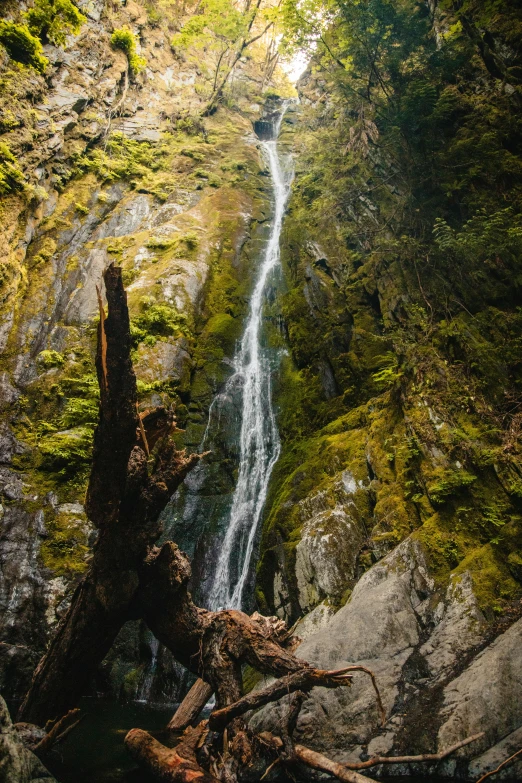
17 763
440 678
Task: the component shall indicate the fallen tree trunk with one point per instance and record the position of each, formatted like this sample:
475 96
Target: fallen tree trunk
171 765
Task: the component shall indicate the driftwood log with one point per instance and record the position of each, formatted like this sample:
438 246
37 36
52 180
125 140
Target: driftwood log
171 765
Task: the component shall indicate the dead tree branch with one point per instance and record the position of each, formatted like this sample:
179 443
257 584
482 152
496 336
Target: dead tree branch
303 680
500 766
58 732
375 760
191 706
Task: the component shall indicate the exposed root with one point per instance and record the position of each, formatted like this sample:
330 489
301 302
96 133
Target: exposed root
166 764
303 680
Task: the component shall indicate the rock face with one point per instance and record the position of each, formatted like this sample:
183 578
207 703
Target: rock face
17 763
439 681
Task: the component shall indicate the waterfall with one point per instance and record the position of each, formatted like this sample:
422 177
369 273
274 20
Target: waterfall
145 688
259 444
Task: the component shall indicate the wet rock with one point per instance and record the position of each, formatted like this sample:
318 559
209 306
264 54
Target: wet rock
332 535
26 598
418 642
17 763
486 697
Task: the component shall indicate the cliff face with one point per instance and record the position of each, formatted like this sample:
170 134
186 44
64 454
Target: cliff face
393 528
117 168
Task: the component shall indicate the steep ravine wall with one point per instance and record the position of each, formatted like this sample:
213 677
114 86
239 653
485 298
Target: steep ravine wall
176 201
392 531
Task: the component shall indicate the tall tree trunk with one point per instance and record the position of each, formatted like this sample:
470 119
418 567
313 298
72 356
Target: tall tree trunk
130 578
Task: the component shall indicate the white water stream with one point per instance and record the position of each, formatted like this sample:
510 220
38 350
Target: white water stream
259 445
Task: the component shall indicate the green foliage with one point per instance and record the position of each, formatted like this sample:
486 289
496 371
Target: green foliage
483 238
448 482
67 453
123 38
53 20
48 359
157 320
22 46
221 30
217 25
11 176
79 411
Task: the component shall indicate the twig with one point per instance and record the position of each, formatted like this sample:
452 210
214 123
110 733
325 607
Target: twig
500 766
269 769
60 729
412 759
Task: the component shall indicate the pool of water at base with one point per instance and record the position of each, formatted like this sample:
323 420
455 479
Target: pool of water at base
94 752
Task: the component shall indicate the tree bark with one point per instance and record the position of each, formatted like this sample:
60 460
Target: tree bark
191 706
171 765
124 502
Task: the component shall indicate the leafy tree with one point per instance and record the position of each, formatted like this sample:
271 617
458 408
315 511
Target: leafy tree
223 31
53 20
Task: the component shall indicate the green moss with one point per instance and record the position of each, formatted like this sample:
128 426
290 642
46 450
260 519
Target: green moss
11 176
65 549
251 678
123 38
493 584
157 321
131 683
48 359
22 46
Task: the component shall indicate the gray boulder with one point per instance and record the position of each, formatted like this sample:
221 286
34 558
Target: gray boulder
17 763
439 678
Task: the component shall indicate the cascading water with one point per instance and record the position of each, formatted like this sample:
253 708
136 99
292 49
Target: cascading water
259 444
216 520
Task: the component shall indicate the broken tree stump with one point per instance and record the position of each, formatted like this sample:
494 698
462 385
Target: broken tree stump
191 706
